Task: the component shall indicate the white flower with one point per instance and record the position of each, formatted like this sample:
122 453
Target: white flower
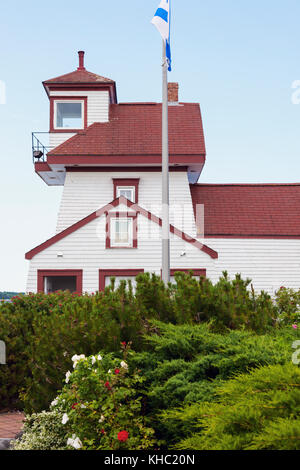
109 371
54 402
99 358
65 418
74 442
124 365
68 376
102 419
82 406
93 359
76 359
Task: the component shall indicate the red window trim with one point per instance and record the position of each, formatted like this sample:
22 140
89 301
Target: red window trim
104 210
67 98
42 273
103 273
110 215
196 272
127 182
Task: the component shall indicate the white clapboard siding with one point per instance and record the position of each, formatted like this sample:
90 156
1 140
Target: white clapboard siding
98 103
57 138
86 192
85 249
97 111
269 263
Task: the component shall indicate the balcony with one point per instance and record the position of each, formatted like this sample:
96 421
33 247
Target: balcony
40 146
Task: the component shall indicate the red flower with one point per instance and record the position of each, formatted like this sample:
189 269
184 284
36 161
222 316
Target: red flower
123 436
107 385
117 371
102 431
74 406
124 343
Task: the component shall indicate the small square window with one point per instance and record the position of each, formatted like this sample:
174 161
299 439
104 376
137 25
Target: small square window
126 191
69 115
121 230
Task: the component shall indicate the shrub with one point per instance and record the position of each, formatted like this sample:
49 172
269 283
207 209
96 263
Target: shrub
42 332
43 431
189 362
254 411
102 405
288 305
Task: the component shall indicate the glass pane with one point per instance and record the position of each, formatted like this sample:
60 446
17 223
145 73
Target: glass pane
126 192
122 231
69 115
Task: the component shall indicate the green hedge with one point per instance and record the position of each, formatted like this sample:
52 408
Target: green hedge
255 411
42 332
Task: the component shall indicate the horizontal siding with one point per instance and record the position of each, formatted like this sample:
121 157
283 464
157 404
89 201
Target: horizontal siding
98 103
84 193
85 249
269 263
57 138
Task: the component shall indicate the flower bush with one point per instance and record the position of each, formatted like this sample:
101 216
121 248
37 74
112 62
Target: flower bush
101 405
288 306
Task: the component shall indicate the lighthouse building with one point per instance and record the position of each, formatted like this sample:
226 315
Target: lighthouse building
107 157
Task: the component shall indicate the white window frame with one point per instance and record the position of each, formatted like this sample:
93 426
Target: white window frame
56 102
115 244
127 188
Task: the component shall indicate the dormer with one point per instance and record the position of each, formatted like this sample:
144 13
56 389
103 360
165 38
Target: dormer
77 100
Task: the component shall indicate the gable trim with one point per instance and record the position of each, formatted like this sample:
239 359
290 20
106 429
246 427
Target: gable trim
105 209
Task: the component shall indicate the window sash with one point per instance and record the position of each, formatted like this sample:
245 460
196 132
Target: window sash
128 189
56 102
121 231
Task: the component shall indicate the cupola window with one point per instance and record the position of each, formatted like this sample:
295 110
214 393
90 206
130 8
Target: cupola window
69 114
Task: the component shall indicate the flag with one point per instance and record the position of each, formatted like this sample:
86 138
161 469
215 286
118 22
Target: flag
162 22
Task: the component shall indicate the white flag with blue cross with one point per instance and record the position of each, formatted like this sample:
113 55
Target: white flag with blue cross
162 21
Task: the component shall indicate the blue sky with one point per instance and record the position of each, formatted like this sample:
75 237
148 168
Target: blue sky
238 59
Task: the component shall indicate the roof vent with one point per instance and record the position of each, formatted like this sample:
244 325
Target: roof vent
81 60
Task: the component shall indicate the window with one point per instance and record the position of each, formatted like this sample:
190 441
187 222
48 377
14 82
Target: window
121 229
53 280
197 273
69 114
126 191
119 275
127 187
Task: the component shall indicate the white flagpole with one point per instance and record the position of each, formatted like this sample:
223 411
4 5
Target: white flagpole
165 173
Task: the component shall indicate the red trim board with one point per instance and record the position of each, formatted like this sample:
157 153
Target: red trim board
41 274
105 209
103 273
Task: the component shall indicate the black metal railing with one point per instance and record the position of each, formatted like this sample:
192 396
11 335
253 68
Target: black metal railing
39 149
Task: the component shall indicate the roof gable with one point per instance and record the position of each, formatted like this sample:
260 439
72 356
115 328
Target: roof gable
105 209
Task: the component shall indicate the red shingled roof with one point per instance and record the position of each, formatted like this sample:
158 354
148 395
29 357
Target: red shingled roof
249 210
135 129
79 76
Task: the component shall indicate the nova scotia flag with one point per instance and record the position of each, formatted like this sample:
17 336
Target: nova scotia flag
162 21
